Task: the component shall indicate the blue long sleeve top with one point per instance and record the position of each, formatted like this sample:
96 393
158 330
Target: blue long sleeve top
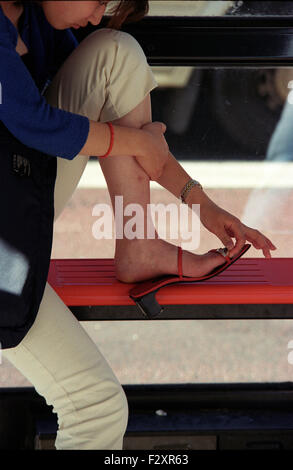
23 109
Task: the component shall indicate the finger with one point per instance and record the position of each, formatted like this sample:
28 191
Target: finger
264 247
226 240
256 233
266 252
257 238
260 242
234 230
267 245
239 235
270 244
238 247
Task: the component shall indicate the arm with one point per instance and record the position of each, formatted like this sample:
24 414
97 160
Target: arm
28 116
128 141
215 219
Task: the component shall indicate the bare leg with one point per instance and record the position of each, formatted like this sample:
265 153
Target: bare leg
141 259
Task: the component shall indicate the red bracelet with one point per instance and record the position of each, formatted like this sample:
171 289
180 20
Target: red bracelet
111 141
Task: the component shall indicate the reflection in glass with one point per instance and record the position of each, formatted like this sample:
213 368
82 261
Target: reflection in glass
267 209
238 108
237 124
189 7
209 8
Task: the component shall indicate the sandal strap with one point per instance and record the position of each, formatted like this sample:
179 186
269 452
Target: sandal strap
180 262
221 252
218 250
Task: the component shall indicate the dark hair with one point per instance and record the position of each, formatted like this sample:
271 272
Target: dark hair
127 11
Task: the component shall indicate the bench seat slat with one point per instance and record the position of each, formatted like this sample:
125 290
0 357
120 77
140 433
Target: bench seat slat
93 282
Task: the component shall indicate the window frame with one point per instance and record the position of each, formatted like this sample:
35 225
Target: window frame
205 41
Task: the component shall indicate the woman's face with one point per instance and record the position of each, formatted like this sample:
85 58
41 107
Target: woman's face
68 14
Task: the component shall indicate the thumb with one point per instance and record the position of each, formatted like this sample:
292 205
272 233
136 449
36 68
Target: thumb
164 127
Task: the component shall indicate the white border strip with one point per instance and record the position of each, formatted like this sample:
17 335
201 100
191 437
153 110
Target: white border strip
214 174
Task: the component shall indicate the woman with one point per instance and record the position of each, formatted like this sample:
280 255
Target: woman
58 98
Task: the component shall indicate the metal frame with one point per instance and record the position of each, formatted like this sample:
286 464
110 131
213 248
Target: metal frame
186 312
225 41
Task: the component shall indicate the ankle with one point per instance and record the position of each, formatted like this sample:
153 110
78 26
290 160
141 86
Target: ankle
129 255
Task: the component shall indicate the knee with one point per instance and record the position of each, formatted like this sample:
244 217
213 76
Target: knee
104 78
98 422
120 412
114 49
106 417
126 45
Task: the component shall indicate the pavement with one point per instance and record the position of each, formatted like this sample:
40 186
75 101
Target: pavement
185 351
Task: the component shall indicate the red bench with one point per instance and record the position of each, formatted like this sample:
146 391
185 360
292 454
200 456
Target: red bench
251 288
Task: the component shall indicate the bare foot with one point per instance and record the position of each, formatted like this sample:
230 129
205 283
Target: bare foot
139 260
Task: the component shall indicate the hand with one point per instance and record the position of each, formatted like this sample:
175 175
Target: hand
225 226
156 152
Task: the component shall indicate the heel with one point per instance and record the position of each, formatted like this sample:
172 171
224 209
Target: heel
148 305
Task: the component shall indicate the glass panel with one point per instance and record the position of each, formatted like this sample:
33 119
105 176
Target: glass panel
208 8
189 8
198 351
232 130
